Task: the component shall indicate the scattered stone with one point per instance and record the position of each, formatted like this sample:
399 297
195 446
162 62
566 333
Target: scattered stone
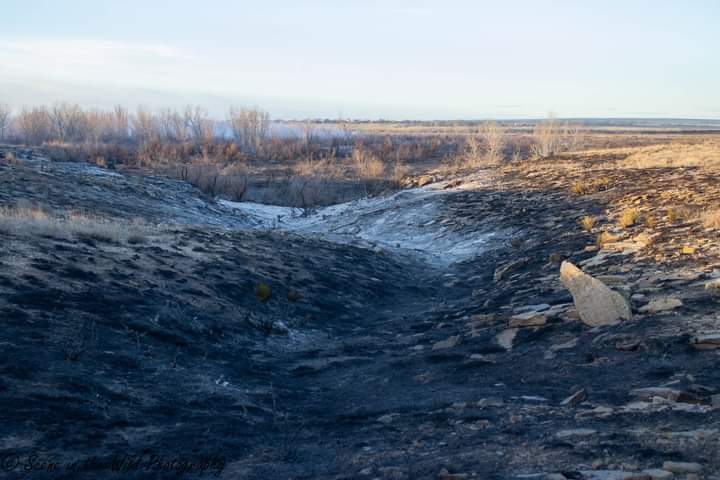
596 303
575 399
612 279
540 307
613 475
387 418
500 272
506 337
555 476
529 319
565 345
575 432
706 341
445 475
450 342
658 474
682 467
662 305
649 393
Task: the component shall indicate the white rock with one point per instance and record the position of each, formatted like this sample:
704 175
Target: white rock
506 337
596 303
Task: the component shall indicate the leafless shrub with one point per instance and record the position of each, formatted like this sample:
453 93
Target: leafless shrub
546 137
494 136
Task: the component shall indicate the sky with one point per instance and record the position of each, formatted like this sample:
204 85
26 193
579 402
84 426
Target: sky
392 59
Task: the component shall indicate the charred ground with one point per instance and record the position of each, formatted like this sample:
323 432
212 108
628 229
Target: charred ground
363 362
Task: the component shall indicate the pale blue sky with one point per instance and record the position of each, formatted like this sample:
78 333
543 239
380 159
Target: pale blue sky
394 59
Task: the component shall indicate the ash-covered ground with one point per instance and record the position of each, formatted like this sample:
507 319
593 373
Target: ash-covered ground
422 335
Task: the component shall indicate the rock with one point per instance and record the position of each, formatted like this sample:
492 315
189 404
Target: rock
662 305
713 284
613 475
450 342
682 467
596 303
540 307
651 392
506 337
500 272
574 399
612 279
706 341
658 474
387 418
575 432
445 475
554 476
529 319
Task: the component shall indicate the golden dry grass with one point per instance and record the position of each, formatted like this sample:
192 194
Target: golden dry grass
711 218
33 221
588 223
629 217
705 154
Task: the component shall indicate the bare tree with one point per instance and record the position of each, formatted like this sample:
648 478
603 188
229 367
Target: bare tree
5 119
249 127
66 121
33 125
546 137
199 124
144 126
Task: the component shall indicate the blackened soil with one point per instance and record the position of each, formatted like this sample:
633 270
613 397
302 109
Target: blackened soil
361 364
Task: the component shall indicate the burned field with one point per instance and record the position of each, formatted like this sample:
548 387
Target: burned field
142 318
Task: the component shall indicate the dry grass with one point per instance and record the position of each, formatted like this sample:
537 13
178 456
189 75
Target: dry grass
706 154
33 221
711 218
586 187
588 223
605 237
629 217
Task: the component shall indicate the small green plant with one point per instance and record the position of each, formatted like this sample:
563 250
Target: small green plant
629 217
262 292
588 223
